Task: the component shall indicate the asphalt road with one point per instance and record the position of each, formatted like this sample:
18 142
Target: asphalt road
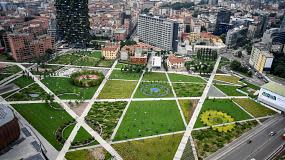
262 144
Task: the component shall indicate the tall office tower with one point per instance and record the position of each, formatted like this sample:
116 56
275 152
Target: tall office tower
282 26
73 21
223 18
158 31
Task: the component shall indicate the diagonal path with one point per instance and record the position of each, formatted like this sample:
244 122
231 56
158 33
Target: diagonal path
190 126
126 108
81 122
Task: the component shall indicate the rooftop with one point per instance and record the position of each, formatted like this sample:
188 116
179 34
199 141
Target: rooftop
275 87
6 114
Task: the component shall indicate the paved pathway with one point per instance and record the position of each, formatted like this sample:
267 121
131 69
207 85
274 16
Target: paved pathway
190 126
177 102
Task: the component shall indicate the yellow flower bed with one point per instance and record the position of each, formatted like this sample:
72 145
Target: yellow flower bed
212 117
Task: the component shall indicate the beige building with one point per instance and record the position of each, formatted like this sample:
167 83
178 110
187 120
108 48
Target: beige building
174 62
261 59
111 51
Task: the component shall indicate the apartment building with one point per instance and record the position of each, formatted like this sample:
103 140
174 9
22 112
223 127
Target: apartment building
25 47
159 32
261 59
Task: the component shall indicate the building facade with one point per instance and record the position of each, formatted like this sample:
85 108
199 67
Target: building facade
111 51
159 32
273 94
25 47
261 59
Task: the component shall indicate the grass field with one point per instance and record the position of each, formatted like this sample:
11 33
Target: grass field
188 108
209 141
104 117
254 108
12 69
150 118
229 79
66 59
118 74
25 94
44 119
64 88
149 149
23 81
105 63
229 90
117 89
98 153
188 89
152 76
184 78
223 105
81 137
164 87
86 61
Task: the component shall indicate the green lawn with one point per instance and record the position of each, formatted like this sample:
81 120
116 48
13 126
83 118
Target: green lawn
209 141
66 59
153 76
144 90
25 94
254 108
117 89
44 119
229 90
163 148
188 108
120 65
81 137
188 89
65 89
95 54
23 81
185 78
147 118
3 76
118 74
223 105
86 61
105 63
229 79
88 154
12 69
105 116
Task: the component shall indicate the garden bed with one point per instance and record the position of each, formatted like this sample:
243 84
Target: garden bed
104 116
188 89
153 90
185 78
149 149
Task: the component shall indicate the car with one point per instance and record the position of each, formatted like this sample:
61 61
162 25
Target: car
272 133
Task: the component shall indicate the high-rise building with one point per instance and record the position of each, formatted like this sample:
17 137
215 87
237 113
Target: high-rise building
282 26
158 31
73 21
261 59
223 18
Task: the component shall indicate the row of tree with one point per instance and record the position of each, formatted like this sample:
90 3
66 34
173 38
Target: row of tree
238 67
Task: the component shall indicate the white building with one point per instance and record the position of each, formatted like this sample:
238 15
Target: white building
158 31
156 62
273 94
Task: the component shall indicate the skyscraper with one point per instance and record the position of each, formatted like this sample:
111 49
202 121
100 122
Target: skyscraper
158 31
282 26
73 21
223 19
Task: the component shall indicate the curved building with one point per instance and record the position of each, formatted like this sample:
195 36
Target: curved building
9 126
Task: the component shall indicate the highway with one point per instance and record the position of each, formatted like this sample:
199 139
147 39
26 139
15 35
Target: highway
262 144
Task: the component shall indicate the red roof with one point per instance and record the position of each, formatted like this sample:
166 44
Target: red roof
174 60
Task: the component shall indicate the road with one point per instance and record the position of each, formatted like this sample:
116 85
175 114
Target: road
262 144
